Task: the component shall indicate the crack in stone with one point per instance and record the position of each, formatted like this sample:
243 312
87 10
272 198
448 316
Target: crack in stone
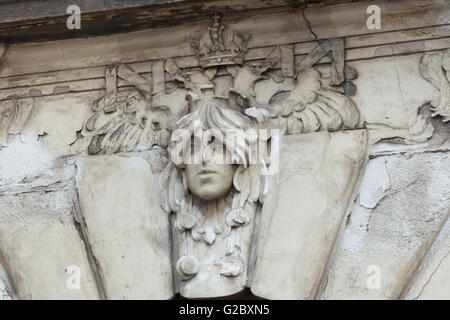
407 153
431 276
53 187
92 259
398 79
308 24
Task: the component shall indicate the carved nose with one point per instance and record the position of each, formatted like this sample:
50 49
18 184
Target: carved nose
204 158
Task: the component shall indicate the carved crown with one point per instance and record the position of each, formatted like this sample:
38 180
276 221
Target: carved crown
220 45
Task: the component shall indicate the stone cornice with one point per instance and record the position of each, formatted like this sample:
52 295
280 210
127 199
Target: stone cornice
41 20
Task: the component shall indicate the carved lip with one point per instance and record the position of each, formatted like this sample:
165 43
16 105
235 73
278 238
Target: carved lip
206 172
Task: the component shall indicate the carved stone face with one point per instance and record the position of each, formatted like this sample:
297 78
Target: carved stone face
209 181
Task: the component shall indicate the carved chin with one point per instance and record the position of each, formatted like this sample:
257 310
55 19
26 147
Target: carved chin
210 192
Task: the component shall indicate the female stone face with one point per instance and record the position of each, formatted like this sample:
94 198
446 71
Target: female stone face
209 177
209 181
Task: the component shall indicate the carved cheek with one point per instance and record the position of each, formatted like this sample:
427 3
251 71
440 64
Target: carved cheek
192 178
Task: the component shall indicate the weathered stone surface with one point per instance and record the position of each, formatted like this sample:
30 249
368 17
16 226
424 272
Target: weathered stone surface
390 107
441 133
395 15
432 279
58 126
21 162
6 292
438 287
302 215
402 204
126 228
39 241
49 20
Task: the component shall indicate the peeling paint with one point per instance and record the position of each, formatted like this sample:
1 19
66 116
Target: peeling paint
21 161
5 287
374 184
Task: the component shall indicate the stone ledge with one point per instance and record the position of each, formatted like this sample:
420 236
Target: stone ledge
46 20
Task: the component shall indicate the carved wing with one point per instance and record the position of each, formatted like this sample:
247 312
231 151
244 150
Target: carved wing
312 107
294 96
135 125
302 105
137 119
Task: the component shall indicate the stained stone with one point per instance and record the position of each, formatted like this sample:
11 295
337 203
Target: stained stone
431 281
56 126
393 235
127 229
303 212
39 241
6 292
393 114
